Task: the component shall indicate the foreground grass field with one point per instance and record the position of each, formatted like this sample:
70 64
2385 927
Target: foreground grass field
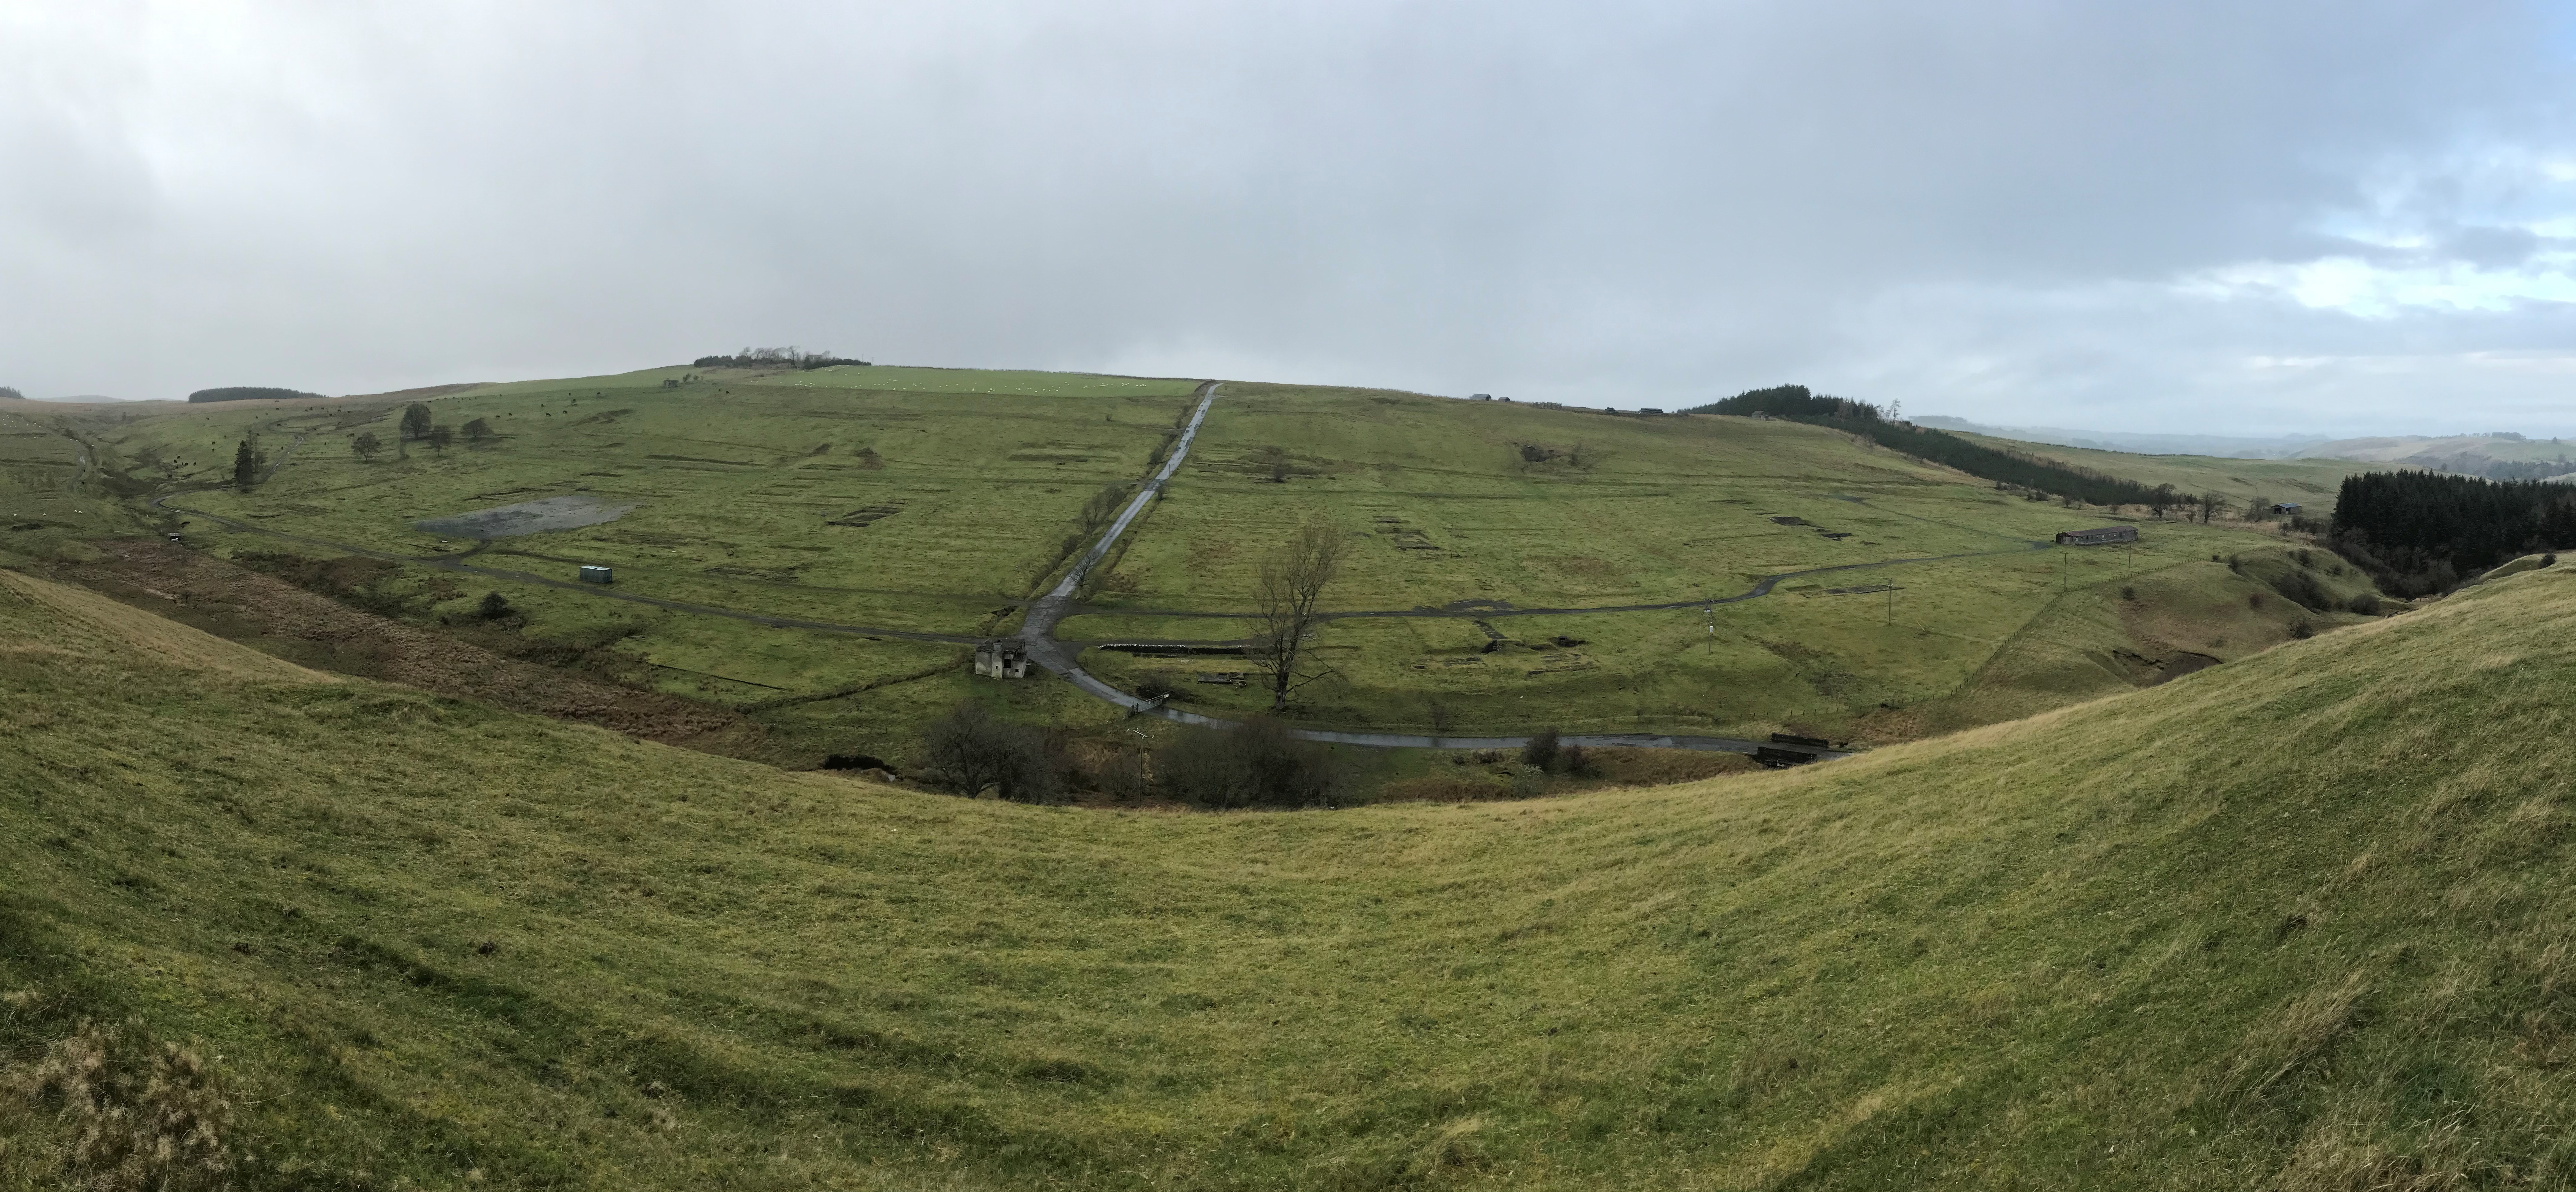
930 501
2302 920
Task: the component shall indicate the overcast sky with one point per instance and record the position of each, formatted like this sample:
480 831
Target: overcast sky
2347 217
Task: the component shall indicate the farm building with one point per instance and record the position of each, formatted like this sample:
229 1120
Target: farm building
1001 660
592 573
2098 536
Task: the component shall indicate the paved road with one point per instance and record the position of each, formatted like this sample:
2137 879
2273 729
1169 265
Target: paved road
1037 630
1037 634
1038 637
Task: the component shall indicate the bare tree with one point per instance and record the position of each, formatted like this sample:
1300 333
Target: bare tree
440 438
1292 582
1102 508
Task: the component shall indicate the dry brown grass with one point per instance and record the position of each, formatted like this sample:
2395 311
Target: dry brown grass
111 1108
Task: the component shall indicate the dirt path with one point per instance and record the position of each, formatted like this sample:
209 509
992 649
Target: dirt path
1483 610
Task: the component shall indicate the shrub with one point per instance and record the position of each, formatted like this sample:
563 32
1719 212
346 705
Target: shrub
1156 687
967 751
1255 764
2129 594
2254 600
1124 776
2549 560
1541 750
2302 589
2367 604
494 606
2303 630
1576 762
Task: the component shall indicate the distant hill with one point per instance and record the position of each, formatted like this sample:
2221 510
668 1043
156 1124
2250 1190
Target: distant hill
2221 446
247 393
2499 456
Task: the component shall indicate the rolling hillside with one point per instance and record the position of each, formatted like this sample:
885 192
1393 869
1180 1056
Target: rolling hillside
2309 482
2301 920
818 551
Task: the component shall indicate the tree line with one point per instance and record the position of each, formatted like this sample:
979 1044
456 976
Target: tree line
2422 532
246 393
1796 403
787 357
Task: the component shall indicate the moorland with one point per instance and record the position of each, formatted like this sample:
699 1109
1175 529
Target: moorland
816 550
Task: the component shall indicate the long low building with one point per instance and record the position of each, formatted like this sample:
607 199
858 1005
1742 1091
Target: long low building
2099 536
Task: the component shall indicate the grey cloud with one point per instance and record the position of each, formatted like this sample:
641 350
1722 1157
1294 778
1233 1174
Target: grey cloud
1980 207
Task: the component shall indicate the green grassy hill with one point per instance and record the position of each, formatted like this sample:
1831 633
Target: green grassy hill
2301 921
936 501
2310 483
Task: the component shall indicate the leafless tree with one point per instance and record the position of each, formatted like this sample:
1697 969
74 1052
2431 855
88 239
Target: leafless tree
1103 508
1284 600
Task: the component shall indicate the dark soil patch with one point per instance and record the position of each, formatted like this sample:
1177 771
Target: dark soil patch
270 613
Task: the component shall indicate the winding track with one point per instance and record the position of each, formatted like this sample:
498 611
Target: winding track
1037 634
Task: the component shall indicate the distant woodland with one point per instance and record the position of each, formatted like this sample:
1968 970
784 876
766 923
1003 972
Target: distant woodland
2422 532
246 393
1795 403
787 357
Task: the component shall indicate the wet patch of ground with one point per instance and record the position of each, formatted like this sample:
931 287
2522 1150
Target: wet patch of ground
305 627
526 517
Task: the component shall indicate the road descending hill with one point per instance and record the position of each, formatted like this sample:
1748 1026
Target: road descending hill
2303 920
817 551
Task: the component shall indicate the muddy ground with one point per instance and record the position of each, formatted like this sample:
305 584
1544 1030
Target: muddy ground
526 517
277 617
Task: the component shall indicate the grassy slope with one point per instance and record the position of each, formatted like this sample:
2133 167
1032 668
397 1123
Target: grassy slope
984 472
1662 510
2312 483
2302 918
2400 447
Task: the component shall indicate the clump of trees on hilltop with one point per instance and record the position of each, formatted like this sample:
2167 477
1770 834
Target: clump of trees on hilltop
1795 403
10 394
2422 532
247 393
787 357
